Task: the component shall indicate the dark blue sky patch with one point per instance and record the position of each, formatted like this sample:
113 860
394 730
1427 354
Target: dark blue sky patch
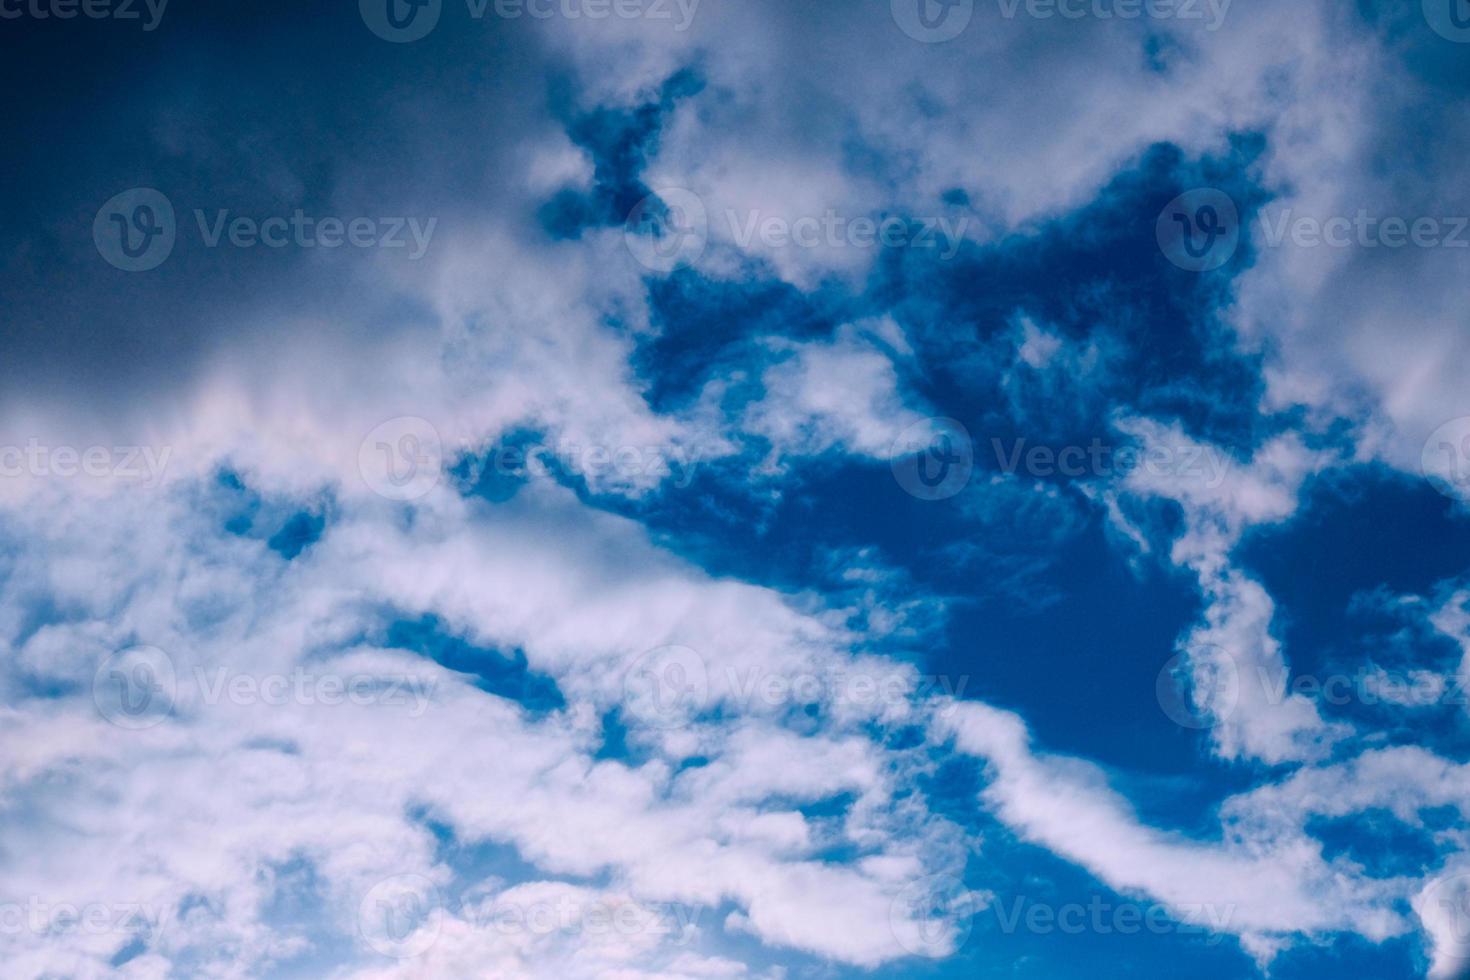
1049 919
1350 956
504 674
705 328
1380 842
302 530
284 526
1097 272
620 142
1356 531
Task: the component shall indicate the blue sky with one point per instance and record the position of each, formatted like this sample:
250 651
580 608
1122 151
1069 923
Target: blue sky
687 488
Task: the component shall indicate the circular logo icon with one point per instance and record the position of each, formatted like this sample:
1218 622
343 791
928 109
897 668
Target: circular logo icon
135 230
402 459
932 916
666 687
135 688
667 229
1199 230
1449 18
400 21
1444 908
1445 461
401 916
1198 689
932 21
933 459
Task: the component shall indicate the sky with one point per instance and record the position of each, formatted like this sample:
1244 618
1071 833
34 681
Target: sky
652 489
